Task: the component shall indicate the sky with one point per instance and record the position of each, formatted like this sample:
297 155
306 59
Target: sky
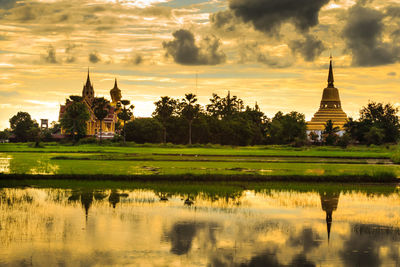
275 53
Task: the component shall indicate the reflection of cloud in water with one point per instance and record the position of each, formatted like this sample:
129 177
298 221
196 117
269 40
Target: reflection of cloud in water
142 231
182 234
5 163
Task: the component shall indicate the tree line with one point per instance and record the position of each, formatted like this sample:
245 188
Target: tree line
224 120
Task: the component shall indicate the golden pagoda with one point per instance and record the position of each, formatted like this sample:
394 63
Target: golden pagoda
329 109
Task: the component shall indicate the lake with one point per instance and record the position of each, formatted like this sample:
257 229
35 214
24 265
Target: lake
266 224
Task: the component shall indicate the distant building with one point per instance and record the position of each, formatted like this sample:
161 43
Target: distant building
93 125
329 109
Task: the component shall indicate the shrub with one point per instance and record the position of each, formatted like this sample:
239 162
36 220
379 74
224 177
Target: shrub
88 140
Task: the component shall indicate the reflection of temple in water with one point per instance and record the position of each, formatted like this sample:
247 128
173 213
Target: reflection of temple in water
329 203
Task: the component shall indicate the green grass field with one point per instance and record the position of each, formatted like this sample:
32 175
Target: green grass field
152 160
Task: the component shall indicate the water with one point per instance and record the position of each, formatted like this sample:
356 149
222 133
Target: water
150 227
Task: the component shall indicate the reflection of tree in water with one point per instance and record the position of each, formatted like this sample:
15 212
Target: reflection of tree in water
329 203
115 197
86 198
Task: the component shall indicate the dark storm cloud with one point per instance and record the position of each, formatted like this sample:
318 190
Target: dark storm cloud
310 48
94 57
268 15
184 50
363 35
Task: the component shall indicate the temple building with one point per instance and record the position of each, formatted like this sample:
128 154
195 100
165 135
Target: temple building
329 109
93 125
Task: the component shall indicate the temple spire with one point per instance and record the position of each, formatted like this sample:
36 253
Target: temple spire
330 76
115 84
88 77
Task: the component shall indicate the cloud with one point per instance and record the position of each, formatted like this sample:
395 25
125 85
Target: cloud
392 73
224 20
135 59
268 15
8 93
363 34
255 52
184 50
50 56
70 57
310 48
6 4
94 57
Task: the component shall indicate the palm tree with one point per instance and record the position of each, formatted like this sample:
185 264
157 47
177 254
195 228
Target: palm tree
126 113
330 133
75 117
189 110
101 108
164 110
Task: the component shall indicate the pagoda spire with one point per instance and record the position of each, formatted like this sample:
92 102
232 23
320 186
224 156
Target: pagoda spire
328 224
330 76
115 84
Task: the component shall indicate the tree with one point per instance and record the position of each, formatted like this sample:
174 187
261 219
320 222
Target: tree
101 108
126 113
330 133
165 108
4 135
383 117
288 128
144 130
75 117
224 107
22 126
189 110
374 136
377 115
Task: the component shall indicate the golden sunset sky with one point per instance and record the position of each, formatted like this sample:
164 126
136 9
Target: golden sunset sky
272 52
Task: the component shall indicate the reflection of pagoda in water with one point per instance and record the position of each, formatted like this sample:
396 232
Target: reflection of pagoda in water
329 203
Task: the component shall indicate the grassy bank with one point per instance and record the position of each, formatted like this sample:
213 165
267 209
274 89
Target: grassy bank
168 149
219 163
378 177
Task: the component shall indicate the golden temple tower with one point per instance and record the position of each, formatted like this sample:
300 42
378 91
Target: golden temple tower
330 107
115 93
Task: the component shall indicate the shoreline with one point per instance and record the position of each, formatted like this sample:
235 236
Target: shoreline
365 178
